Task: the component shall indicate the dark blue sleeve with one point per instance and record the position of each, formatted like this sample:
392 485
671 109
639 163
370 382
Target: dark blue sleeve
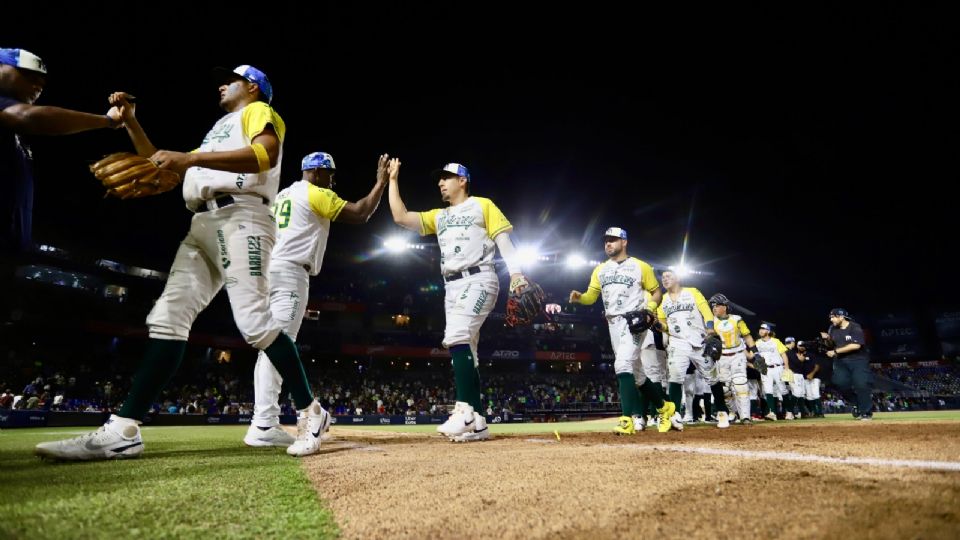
855 331
7 102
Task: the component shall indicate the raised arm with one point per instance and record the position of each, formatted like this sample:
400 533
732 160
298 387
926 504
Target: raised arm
401 216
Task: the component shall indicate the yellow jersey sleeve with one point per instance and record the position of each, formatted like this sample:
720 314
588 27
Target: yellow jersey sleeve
662 317
428 222
702 306
493 218
648 280
781 348
593 290
742 328
255 118
324 202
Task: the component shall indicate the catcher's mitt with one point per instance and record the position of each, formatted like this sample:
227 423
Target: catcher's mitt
787 375
129 176
524 306
712 348
640 320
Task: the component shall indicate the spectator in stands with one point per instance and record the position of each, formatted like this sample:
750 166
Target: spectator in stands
6 400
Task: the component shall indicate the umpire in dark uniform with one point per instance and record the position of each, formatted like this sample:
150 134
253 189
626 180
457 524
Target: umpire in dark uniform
851 360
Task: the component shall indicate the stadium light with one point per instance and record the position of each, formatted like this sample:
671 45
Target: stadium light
528 255
575 260
395 244
682 270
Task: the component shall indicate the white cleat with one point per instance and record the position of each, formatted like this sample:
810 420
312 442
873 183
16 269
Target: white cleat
689 420
117 439
461 421
313 422
771 416
480 431
272 436
788 416
676 422
638 424
723 420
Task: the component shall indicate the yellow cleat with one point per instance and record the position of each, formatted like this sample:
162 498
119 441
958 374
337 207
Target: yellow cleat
666 413
625 426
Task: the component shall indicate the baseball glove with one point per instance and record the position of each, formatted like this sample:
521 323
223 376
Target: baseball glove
524 306
712 348
129 176
640 320
759 363
787 375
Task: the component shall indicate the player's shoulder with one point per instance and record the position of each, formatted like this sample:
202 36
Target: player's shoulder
735 318
693 290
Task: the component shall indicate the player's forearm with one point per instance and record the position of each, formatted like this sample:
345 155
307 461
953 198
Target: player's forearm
589 297
407 220
849 347
369 204
242 160
509 253
139 138
44 120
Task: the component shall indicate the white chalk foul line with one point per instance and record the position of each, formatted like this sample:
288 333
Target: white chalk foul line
813 458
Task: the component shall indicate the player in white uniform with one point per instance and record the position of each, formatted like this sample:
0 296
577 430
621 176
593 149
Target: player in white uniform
628 284
229 183
303 212
686 316
653 361
775 355
469 231
732 366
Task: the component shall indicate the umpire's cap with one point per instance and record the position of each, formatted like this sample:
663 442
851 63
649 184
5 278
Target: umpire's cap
615 232
23 59
250 74
451 168
317 160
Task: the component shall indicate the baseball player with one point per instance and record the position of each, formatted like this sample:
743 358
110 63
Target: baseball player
695 388
686 316
23 76
794 373
732 366
229 183
303 213
775 355
812 370
628 284
468 231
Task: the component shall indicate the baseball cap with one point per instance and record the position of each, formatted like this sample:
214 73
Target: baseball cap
789 339
23 59
766 326
317 160
616 232
839 312
453 168
251 74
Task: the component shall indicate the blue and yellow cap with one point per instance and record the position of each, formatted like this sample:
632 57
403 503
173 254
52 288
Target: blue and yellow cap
23 59
317 160
251 74
453 168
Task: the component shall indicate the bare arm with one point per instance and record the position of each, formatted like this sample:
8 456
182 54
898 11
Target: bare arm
401 216
124 103
360 211
242 160
43 120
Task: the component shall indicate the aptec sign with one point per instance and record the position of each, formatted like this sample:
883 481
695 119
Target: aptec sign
563 356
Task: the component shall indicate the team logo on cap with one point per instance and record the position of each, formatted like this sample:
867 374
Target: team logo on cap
616 232
317 160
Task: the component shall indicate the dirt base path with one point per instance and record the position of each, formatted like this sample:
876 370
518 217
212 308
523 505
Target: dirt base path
384 485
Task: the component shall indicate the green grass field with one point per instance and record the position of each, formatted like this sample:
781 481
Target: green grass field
197 482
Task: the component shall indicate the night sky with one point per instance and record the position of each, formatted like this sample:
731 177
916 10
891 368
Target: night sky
815 147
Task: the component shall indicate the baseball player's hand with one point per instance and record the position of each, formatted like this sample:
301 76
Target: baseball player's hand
517 283
575 297
832 353
393 169
178 162
809 376
552 309
124 104
382 176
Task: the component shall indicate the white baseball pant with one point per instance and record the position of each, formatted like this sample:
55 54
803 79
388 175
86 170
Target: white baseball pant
653 361
812 388
289 291
467 303
732 371
798 386
626 349
227 247
773 381
680 354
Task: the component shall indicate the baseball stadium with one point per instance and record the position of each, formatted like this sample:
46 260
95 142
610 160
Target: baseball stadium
405 272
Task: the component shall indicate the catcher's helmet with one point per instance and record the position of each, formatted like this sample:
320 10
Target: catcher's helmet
719 299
